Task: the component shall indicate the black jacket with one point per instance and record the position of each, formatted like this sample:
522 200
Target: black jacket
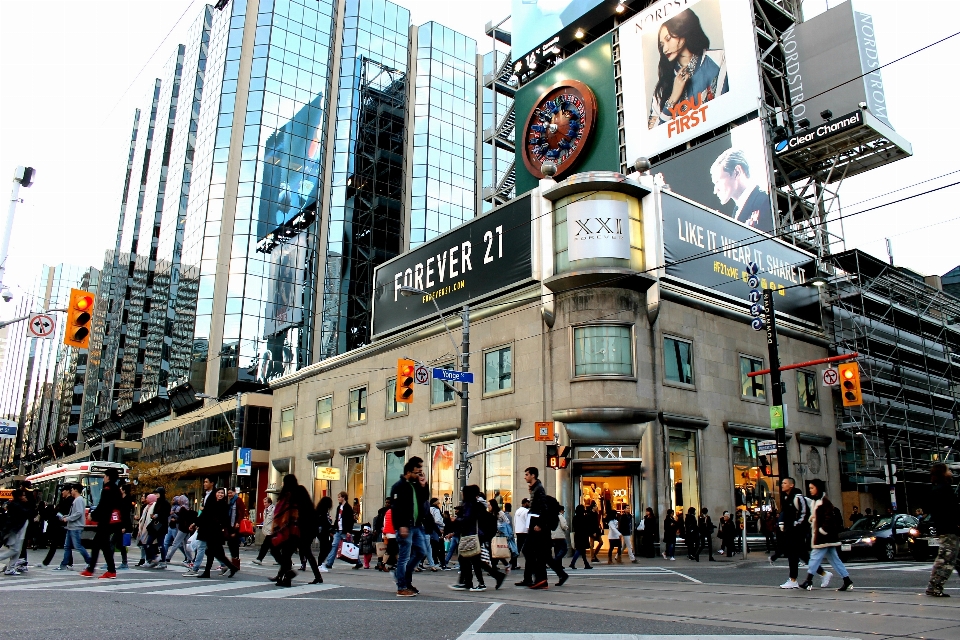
62 508
471 522
669 530
691 528
185 518
584 527
161 509
403 494
110 501
794 511
345 512
538 507
945 509
651 530
212 519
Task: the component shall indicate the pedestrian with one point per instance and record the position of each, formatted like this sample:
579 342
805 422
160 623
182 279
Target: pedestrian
411 519
826 522
584 526
266 527
615 540
855 515
172 530
650 540
559 537
286 530
185 518
625 525
206 501
56 533
436 536
108 518
691 529
505 530
126 524
945 510
511 538
367 545
769 525
390 539
73 523
237 513
309 526
706 528
31 499
17 521
428 528
144 535
794 516
521 525
342 528
543 519
475 520
324 530
726 534
598 530
214 526
157 527
669 536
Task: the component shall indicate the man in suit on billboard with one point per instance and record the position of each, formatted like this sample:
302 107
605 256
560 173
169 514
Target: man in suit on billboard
731 180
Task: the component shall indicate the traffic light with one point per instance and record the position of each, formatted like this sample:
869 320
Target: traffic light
850 384
557 457
79 317
766 468
405 380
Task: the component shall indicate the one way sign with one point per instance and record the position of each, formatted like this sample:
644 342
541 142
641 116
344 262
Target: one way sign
41 325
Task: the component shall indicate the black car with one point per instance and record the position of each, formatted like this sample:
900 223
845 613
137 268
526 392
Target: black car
881 537
924 542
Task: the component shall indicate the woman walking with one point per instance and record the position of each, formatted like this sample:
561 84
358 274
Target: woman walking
727 535
505 529
213 530
144 536
472 521
324 529
826 524
669 536
308 524
651 535
584 528
286 531
691 534
615 541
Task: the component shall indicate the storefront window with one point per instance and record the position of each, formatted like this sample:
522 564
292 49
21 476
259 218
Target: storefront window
320 487
392 468
610 496
442 474
498 469
683 470
807 391
497 371
678 361
752 486
439 392
603 350
354 483
286 423
324 414
751 387
358 405
395 408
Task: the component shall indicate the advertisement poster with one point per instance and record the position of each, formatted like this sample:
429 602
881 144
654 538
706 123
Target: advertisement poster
688 67
536 21
728 174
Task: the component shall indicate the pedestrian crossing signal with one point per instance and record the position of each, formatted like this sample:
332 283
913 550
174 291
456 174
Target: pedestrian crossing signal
405 369
79 319
557 457
850 384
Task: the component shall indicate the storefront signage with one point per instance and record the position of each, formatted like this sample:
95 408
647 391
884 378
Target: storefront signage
244 461
714 252
607 453
328 473
485 256
598 229
825 130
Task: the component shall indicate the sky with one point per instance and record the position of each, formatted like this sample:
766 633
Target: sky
72 72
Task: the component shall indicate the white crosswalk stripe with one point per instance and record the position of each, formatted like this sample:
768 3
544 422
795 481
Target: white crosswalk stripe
121 585
258 589
286 593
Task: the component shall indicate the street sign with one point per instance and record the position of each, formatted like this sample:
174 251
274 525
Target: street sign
421 375
830 377
328 473
453 376
41 325
776 417
543 432
766 447
8 429
244 461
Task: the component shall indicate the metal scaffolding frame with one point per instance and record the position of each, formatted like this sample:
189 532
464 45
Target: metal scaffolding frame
500 137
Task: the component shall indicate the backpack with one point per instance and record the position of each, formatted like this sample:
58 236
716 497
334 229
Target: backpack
552 516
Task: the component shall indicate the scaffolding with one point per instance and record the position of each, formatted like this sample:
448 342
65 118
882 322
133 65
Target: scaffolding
498 148
908 337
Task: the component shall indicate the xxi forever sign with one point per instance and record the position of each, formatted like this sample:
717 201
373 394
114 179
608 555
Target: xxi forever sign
485 256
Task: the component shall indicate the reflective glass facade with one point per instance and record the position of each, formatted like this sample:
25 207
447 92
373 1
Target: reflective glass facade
445 123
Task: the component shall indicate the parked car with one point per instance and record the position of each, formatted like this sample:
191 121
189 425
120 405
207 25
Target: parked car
924 542
881 537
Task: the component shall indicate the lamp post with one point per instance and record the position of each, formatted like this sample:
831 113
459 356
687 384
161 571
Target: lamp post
464 393
234 431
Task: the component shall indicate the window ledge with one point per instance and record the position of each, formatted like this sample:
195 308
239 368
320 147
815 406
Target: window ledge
444 405
601 377
494 394
754 400
287 439
679 385
814 412
357 424
391 416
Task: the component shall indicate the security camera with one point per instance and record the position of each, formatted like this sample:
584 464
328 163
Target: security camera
549 169
6 294
862 105
641 165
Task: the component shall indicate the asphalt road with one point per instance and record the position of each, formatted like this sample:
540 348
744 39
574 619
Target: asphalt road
620 602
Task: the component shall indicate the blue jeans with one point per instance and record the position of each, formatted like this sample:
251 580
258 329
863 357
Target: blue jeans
454 543
410 554
201 550
427 550
338 537
167 541
829 553
70 542
179 542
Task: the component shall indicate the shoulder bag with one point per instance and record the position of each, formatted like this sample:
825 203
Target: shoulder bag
469 545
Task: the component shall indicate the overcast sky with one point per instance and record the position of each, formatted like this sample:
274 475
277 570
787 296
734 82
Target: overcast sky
71 74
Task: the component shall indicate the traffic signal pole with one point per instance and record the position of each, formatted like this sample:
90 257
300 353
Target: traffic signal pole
464 400
776 390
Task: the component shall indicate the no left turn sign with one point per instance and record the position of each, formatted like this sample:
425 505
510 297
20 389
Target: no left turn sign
830 377
41 325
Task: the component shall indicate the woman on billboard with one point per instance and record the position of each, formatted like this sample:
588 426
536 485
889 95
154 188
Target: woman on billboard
689 70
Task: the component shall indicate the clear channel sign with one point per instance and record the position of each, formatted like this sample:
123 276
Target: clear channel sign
453 376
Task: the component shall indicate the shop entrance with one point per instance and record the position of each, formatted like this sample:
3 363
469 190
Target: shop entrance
609 496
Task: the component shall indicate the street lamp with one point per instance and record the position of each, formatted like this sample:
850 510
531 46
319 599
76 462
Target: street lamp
464 357
234 431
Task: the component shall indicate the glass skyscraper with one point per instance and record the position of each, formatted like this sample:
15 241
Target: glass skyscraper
281 161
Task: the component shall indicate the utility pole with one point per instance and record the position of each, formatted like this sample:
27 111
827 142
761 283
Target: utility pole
236 445
464 398
778 413
22 177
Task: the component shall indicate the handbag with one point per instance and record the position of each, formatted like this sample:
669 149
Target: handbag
641 526
469 545
127 539
246 527
381 549
348 552
500 548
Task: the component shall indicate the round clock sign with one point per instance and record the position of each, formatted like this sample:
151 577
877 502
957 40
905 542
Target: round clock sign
558 127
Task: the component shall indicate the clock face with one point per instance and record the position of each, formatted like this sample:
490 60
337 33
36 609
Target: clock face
558 128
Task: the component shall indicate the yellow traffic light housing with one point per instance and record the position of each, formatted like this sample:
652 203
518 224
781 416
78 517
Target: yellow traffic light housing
405 369
850 384
79 318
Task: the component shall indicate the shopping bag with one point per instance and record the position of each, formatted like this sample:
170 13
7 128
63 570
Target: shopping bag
246 527
500 548
127 539
381 549
348 552
485 554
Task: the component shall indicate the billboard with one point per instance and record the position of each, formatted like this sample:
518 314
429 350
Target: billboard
536 21
480 258
710 250
688 66
826 57
728 174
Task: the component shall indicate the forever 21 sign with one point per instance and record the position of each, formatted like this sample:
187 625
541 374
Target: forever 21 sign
487 255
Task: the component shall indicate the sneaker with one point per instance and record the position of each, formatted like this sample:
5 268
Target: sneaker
459 587
825 581
406 593
190 573
936 594
86 573
479 587
257 562
124 566
790 584
224 570
414 589
12 572
324 569
40 565
108 575
543 584
446 568
672 558
847 584
59 568
162 565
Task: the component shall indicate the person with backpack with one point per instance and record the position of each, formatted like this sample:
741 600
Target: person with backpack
477 526
544 517
826 523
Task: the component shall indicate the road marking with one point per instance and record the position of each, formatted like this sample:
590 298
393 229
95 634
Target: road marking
123 584
694 580
628 636
474 628
29 584
207 588
281 592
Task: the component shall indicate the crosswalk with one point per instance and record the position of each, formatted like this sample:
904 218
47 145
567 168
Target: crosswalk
237 588
600 571
900 567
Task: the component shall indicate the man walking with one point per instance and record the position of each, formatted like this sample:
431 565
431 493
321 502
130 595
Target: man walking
56 533
626 525
705 527
237 514
209 497
18 519
558 537
411 517
343 529
794 514
543 517
72 523
107 517
945 509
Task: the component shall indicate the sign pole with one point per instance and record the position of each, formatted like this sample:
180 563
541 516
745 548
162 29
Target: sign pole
464 399
776 388
236 445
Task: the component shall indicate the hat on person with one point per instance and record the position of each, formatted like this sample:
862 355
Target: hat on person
161 491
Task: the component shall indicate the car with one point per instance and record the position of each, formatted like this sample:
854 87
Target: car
881 537
924 542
